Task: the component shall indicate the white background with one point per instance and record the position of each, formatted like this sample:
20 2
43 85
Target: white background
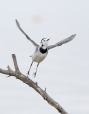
65 71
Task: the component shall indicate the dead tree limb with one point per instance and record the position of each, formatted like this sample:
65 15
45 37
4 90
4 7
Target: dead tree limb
32 84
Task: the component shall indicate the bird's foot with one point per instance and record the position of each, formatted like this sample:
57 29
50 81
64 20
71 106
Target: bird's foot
34 74
27 74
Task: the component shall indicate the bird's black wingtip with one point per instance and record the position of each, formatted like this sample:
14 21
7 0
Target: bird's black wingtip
74 35
16 21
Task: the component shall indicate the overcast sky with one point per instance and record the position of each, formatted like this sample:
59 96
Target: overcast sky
65 71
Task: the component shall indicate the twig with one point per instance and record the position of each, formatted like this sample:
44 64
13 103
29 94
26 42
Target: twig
15 63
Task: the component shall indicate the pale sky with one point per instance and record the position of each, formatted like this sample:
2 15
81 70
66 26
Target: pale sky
65 71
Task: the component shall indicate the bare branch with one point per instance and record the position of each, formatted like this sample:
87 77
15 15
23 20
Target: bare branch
9 69
32 84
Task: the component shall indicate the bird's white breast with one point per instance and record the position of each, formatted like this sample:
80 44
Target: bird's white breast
38 56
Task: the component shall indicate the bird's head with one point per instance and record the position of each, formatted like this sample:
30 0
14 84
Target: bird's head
44 43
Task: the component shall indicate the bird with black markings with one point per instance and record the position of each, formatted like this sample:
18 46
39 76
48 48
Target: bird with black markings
41 50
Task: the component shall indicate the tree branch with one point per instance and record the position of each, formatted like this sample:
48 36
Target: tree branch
32 84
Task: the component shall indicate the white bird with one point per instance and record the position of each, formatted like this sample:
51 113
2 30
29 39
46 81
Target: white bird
41 50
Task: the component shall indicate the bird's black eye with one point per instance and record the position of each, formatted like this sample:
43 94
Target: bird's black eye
43 39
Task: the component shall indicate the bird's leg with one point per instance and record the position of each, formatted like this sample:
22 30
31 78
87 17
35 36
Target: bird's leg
36 70
29 69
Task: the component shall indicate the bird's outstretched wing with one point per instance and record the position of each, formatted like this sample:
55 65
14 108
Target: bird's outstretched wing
62 42
18 25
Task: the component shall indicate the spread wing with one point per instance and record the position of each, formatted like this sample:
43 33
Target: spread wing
62 42
19 27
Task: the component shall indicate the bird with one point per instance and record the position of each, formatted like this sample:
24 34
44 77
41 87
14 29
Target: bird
41 51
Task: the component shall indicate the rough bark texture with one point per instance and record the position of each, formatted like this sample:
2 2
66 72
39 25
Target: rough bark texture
32 84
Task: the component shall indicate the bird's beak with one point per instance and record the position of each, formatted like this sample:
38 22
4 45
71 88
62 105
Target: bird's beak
48 39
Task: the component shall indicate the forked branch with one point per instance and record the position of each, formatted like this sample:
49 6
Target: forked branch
32 84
